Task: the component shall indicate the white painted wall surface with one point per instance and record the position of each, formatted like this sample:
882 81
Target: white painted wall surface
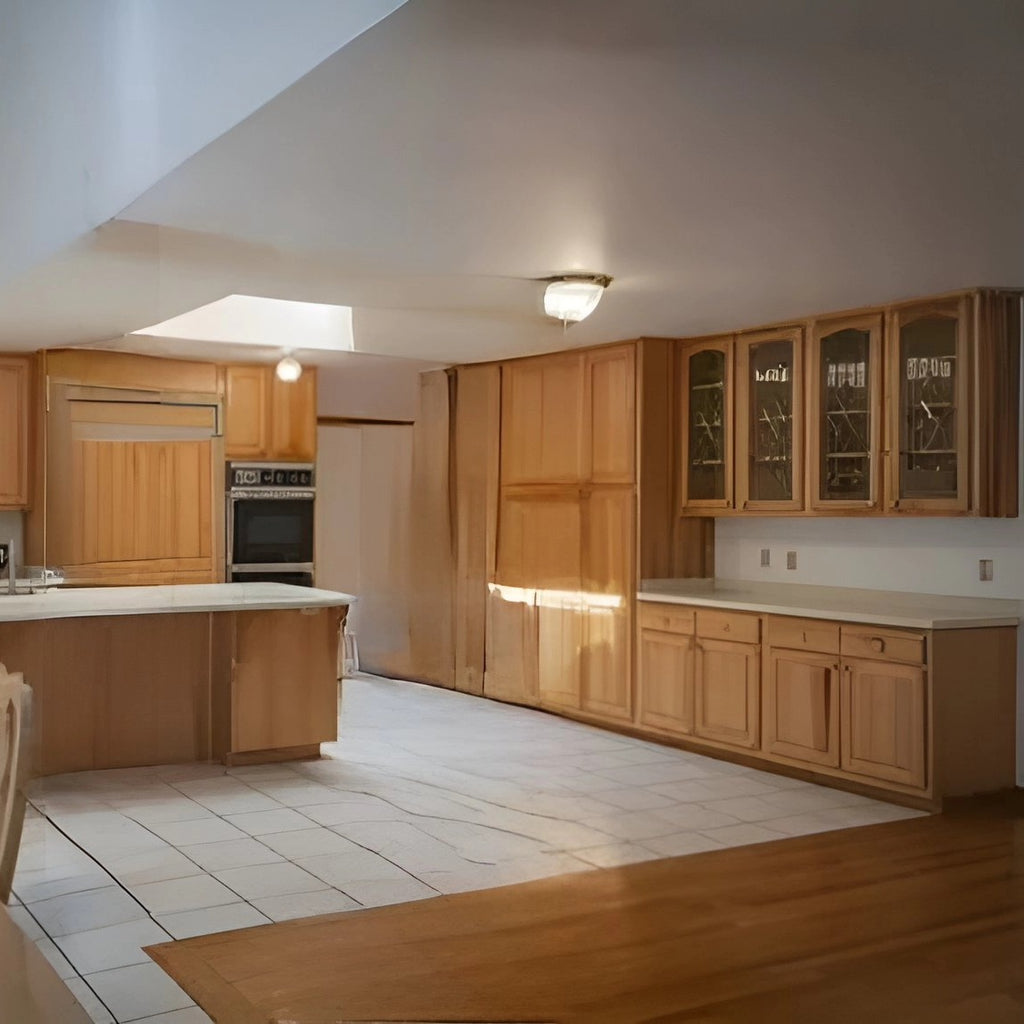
111 95
371 387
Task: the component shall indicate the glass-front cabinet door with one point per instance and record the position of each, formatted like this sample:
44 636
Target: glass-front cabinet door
769 410
845 423
928 403
707 382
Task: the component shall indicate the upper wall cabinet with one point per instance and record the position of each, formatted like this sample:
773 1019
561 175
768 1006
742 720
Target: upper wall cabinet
909 410
928 406
266 418
542 420
15 384
769 421
706 382
844 441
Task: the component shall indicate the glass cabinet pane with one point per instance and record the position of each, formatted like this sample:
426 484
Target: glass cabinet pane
771 421
928 413
707 428
845 416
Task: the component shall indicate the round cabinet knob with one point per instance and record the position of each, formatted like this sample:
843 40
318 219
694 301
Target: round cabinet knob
877 644
726 628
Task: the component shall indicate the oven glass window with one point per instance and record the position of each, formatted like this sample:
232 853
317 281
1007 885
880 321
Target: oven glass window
272 531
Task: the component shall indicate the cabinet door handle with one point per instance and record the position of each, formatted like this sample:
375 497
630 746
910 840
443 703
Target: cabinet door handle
726 628
877 644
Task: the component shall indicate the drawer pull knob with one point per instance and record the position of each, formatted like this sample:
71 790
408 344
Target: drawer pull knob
726 628
804 635
877 644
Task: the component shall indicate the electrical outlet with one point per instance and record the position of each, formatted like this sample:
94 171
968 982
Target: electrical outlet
790 559
985 570
766 557
3 556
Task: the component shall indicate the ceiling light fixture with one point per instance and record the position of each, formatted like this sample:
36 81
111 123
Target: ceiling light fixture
573 297
288 369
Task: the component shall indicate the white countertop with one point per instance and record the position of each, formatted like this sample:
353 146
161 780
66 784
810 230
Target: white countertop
69 602
879 607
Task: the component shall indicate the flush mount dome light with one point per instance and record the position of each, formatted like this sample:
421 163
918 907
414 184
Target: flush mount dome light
573 297
288 369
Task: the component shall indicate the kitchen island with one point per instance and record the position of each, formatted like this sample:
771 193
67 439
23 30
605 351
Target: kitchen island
125 676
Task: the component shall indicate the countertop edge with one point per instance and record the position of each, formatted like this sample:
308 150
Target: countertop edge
837 615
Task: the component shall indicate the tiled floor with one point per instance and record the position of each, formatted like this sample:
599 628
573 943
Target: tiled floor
426 792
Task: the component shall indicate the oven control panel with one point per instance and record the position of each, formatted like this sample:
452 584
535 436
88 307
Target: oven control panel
271 475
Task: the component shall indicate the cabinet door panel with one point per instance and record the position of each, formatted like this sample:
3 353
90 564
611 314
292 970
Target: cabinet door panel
726 691
612 429
929 402
769 421
801 707
560 626
542 420
707 435
510 666
14 432
846 413
666 681
246 412
884 721
539 544
293 418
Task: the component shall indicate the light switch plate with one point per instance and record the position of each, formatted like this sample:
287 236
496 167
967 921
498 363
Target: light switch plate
790 559
985 570
766 557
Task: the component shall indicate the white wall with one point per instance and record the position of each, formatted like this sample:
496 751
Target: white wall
371 387
11 525
111 95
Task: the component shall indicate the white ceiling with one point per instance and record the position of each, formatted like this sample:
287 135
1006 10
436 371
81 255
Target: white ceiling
728 162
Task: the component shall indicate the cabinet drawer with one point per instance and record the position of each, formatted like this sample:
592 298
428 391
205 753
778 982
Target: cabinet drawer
716 625
803 634
882 644
668 618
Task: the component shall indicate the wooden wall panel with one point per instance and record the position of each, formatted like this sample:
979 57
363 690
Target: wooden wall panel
15 430
476 455
610 440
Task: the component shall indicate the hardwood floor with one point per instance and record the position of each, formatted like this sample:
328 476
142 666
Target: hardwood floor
919 920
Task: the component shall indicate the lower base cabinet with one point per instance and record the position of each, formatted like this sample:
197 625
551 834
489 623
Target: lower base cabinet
727 692
924 714
884 721
801 707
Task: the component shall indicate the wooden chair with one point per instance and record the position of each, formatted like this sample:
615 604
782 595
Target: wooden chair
15 709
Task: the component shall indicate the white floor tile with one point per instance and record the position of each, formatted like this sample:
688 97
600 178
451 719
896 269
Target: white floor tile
190 1015
307 904
385 892
234 853
166 809
741 835
259 823
682 843
118 945
269 880
138 991
342 869
89 1001
615 855
152 866
632 825
204 830
745 808
695 817
192 893
307 843
212 919
33 886
635 798
58 961
23 918
82 911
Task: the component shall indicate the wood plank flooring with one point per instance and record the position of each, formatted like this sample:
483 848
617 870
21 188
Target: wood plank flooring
914 921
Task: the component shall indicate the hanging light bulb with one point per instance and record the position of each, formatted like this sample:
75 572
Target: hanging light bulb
289 369
573 297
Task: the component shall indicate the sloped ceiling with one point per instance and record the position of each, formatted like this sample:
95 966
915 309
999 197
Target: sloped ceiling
728 162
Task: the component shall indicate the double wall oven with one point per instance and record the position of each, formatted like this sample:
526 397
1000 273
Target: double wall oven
270 522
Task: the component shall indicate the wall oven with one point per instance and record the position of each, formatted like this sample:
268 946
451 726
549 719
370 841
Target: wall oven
270 522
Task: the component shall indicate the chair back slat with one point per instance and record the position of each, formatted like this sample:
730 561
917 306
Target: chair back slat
15 709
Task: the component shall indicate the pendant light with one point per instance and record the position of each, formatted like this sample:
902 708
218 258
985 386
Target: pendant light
289 369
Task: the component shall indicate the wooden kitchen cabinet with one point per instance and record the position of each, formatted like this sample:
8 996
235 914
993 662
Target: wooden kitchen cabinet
928 405
665 699
542 420
267 418
610 401
844 441
801 706
15 397
769 421
883 721
727 692
707 387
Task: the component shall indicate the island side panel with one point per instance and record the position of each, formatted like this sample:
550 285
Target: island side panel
284 692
